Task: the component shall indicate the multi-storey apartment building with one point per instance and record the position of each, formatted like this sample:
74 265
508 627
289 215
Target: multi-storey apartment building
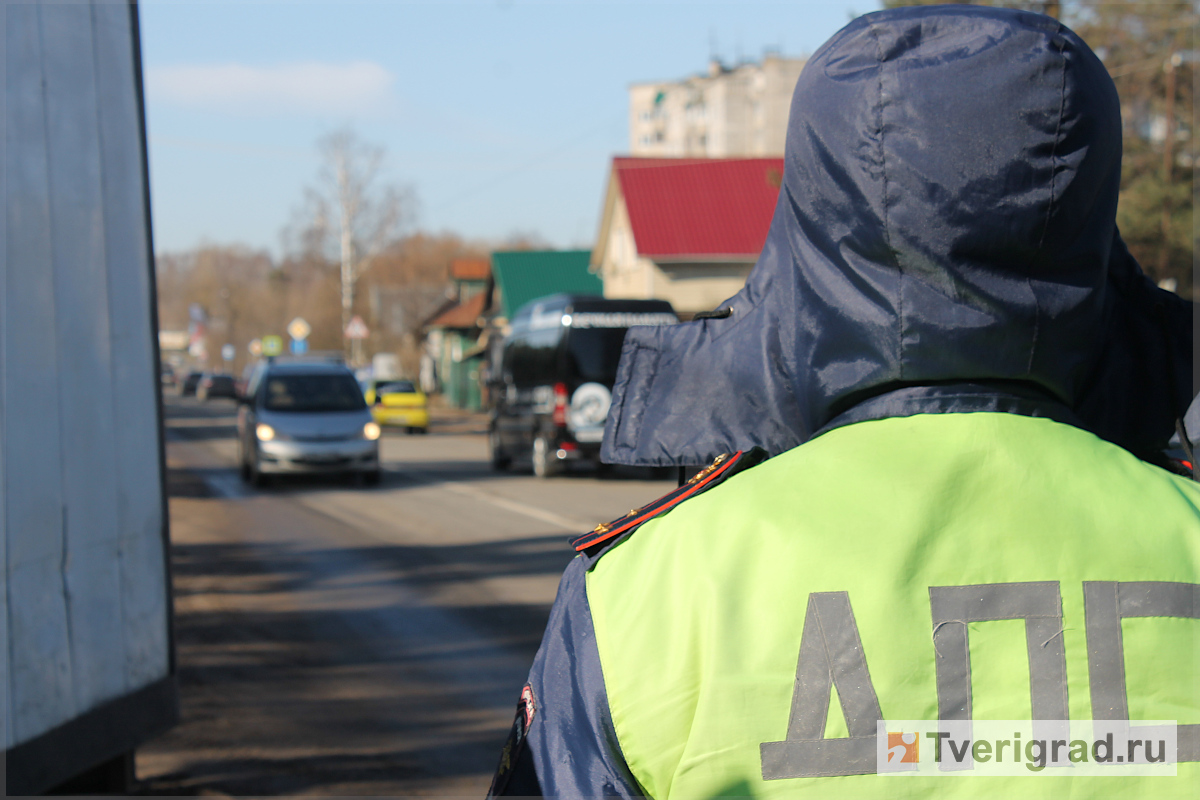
728 112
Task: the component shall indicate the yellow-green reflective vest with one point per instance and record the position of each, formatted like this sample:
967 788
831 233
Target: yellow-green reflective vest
867 536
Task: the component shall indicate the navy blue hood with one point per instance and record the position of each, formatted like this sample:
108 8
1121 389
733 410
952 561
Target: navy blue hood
945 241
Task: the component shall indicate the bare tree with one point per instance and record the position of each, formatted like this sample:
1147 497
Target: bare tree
351 216
232 283
407 284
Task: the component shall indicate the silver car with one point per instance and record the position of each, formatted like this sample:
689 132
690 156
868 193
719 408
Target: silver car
306 417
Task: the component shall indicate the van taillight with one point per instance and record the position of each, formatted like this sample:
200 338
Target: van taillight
560 404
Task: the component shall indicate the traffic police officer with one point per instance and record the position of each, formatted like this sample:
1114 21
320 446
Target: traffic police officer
963 382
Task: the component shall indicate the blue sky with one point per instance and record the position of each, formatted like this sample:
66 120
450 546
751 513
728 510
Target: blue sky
501 115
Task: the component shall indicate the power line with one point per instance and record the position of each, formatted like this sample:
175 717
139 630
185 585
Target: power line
523 167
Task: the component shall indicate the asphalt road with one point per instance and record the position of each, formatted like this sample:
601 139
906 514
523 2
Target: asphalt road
340 640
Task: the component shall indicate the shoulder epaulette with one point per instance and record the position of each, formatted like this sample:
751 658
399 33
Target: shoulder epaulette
721 469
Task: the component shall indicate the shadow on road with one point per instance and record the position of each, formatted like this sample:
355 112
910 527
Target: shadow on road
285 567
303 774
188 483
347 670
222 430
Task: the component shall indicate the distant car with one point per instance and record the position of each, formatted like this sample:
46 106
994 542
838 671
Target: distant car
190 381
215 384
167 375
397 402
306 418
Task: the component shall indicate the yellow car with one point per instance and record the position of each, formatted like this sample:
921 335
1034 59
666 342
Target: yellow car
397 402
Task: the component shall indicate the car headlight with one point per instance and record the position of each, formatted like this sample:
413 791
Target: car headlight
371 431
264 432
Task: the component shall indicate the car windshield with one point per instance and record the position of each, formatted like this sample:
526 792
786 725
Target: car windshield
313 392
397 387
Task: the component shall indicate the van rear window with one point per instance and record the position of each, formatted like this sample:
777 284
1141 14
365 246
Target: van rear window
593 353
534 355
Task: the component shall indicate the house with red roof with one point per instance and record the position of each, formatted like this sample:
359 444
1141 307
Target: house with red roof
687 230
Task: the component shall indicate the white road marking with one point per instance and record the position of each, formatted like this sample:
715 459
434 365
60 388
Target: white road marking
227 484
514 506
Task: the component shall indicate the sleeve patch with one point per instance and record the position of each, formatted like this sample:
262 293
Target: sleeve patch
515 744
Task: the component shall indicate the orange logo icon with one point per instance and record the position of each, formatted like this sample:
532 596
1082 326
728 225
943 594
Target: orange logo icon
903 748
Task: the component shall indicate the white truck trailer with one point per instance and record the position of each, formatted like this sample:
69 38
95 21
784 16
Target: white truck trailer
88 659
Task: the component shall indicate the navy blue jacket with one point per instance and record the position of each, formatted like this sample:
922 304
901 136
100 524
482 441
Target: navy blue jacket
946 227
945 241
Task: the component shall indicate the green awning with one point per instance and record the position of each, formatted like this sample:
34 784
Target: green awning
524 275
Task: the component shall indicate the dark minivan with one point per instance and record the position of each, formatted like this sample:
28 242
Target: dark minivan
551 386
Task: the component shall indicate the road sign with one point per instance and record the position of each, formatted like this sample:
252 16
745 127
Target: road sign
272 345
299 347
298 329
255 347
357 329
227 352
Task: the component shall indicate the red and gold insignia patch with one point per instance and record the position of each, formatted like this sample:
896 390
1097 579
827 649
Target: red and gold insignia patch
515 744
527 706
722 467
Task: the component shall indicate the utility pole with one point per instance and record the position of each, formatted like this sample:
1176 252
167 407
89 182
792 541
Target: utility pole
347 207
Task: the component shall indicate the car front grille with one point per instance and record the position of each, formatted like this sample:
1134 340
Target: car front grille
322 462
